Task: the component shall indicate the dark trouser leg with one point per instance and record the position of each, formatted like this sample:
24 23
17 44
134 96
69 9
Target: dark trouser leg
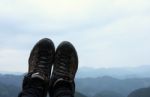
32 87
63 89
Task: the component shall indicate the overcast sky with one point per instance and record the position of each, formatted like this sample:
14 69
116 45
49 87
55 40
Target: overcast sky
106 33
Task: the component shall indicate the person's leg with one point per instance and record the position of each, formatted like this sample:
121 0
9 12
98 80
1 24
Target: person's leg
35 82
65 67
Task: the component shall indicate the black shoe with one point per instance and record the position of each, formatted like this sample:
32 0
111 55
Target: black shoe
35 83
41 59
64 70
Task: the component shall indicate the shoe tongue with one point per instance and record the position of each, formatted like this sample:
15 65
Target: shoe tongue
37 75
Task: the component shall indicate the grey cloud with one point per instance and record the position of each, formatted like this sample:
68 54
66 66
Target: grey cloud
105 34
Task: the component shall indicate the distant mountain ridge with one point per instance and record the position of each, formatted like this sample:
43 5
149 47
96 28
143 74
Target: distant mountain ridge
92 86
87 87
10 73
91 82
142 92
116 72
123 73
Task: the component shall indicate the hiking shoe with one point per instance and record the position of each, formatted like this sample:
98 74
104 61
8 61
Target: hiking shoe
64 70
35 82
41 59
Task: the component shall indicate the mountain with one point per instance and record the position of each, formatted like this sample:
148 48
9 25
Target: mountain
12 91
116 72
142 92
8 90
8 79
10 73
78 94
108 94
92 86
10 86
121 73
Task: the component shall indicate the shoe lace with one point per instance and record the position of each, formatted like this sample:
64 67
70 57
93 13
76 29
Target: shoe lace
42 62
63 67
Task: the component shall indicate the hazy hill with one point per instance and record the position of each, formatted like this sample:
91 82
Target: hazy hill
12 91
142 92
116 72
77 94
106 86
131 72
8 90
92 86
15 80
10 86
108 94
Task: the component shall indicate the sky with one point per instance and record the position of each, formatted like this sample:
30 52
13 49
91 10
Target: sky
105 33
